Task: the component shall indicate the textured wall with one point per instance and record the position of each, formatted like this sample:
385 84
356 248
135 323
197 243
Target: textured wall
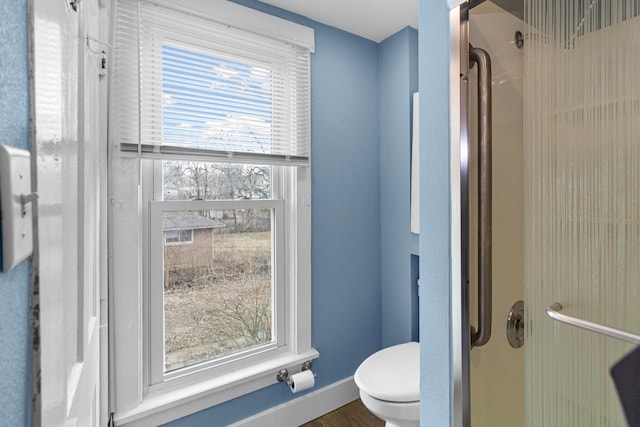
14 285
435 222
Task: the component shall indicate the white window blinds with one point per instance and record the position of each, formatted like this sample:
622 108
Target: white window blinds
186 86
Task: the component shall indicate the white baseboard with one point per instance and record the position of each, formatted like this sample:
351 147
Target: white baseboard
305 408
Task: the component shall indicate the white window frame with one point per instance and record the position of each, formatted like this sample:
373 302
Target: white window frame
139 396
158 379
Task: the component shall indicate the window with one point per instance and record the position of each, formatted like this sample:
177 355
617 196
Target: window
231 275
227 276
177 237
210 205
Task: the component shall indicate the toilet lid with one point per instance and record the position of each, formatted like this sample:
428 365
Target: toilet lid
392 374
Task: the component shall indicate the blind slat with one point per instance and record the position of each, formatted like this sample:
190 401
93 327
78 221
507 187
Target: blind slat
186 84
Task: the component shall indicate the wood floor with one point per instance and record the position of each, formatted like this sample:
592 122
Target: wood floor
354 414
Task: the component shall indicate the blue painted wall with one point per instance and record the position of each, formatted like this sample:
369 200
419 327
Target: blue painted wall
398 80
435 223
345 215
14 285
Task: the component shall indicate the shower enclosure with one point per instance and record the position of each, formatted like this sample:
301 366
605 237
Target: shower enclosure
563 216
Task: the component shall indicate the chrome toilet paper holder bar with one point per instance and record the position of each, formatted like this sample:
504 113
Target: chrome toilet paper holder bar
283 374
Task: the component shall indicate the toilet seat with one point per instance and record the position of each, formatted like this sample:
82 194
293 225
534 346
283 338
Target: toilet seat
391 374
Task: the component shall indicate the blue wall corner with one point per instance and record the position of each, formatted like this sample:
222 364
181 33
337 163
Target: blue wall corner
14 285
398 80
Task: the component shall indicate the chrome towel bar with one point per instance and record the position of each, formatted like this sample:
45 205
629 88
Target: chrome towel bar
554 309
481 58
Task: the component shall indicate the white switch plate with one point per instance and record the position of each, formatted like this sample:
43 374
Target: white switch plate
17 229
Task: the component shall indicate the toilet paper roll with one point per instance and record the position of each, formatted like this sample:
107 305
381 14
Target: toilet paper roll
302 381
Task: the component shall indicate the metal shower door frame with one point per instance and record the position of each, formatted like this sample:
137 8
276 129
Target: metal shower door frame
465 303
463 335
459 171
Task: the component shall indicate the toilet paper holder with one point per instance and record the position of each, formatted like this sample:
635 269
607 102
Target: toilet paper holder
283 374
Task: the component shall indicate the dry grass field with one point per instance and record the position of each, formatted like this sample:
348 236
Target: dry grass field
223 307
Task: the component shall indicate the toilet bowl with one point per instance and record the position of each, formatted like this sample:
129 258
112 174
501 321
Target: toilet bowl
389 383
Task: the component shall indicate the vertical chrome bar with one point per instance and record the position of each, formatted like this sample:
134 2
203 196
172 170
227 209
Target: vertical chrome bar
481 58
464 218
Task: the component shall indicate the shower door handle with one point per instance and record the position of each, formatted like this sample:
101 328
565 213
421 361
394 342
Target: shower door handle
481 58
554 311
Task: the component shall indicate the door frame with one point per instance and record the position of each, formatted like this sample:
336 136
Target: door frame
68 141
461 338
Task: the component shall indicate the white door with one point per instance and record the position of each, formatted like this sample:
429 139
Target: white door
67 105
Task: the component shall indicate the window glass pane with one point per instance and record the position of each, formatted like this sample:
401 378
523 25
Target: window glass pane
214 103
181 236
187 180
217 289
170 236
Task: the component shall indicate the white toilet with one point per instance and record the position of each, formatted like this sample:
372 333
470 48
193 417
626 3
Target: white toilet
389 383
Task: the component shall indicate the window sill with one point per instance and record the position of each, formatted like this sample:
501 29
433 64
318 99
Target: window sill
162 407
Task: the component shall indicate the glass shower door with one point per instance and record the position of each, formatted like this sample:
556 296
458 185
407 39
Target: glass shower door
491 147
582 204
497 368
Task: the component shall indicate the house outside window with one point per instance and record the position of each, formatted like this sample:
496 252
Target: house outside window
211 206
